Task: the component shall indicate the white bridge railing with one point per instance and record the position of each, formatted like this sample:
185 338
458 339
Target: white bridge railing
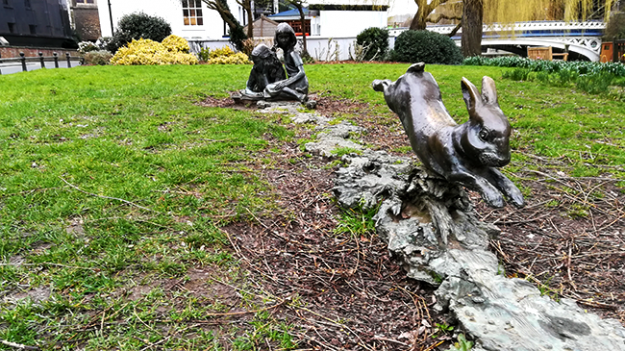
517 27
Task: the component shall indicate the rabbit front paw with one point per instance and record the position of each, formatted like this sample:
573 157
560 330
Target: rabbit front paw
493 198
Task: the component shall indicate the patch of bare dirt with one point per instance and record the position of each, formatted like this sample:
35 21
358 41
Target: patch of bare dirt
340 292
211 101
569 240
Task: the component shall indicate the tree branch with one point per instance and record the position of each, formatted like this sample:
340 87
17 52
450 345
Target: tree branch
436 17
455 30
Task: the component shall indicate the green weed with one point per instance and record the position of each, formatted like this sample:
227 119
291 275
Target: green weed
462 344
441 328
341 151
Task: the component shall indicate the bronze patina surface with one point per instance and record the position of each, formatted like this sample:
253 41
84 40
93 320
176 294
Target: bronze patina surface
267 80
465 154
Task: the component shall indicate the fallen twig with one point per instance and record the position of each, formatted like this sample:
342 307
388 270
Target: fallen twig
106 197
18 346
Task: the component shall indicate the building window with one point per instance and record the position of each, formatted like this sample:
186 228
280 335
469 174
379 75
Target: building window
11 27
85 1
192 12
27 4
33 28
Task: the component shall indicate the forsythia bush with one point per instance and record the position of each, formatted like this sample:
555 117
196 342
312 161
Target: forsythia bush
150 52
225 51
175 43
236 59
225 56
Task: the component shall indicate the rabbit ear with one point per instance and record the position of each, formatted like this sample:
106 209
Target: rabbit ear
489 92
471 95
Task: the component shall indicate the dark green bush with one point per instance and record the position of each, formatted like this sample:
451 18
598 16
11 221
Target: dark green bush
425 46
137 26
520 74
595 84
376 41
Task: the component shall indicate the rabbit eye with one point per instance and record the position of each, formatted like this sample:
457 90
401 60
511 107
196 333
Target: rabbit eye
483 135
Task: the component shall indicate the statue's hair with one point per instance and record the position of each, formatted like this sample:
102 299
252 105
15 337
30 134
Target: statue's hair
285 28
261 51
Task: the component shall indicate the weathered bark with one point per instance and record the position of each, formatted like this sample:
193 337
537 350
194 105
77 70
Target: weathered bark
236 30
419 21
302 18
299 5
247 6
472 15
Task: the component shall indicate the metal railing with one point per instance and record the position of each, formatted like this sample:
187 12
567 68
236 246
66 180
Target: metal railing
41 59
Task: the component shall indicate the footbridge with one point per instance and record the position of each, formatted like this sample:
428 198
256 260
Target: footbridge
581 39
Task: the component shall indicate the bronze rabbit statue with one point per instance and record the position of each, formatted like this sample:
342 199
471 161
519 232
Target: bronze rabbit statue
465 154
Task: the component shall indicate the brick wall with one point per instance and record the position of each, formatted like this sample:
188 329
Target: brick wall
87 23
14 51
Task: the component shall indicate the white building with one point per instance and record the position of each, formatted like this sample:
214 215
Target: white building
190 19
347 18
337 18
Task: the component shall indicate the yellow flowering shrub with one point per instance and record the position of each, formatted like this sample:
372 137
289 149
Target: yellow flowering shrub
175 43
225 51
149 52
236 59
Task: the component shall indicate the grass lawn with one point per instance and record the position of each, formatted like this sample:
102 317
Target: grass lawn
113 178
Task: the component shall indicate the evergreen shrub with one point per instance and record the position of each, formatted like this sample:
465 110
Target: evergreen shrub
425 46
376 41
137 26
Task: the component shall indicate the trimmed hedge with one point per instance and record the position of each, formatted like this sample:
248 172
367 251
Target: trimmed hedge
377 41
425 46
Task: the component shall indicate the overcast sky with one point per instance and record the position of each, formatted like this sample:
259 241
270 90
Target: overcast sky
401 7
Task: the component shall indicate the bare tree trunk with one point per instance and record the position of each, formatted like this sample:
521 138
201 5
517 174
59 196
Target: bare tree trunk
236 30
247 7
302 18
472 15
419 20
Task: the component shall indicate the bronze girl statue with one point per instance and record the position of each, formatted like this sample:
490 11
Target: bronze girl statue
267 80
267 69
296 85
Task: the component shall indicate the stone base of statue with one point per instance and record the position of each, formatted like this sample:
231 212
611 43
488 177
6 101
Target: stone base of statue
245 98
431 228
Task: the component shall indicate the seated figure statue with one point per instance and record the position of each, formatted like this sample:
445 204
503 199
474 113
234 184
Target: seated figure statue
267 69
296 85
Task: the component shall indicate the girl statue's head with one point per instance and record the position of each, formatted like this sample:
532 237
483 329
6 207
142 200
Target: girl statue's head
261 52
285 37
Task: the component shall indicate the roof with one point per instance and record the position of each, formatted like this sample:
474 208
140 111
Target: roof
267 19
289 13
